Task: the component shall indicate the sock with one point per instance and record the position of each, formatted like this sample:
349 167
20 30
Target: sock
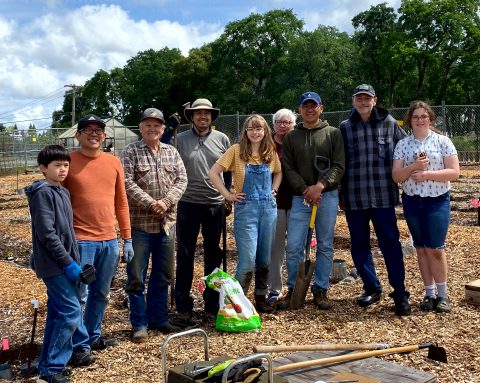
442 289
430 291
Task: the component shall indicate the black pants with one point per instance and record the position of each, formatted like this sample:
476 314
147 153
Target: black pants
190 217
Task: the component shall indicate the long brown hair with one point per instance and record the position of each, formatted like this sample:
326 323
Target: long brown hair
417 105
267 146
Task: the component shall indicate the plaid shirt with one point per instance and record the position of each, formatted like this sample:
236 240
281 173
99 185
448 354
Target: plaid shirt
149 178
367 182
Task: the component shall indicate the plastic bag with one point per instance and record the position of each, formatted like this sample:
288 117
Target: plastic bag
236 313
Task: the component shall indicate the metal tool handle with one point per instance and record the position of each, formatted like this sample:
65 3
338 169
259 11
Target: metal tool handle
249 358
178 335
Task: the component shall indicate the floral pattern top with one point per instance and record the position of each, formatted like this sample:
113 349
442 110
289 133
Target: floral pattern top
436 147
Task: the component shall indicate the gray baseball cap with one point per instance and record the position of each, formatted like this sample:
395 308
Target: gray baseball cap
153 113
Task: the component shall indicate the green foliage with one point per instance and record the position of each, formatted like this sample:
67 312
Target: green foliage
427 49
466 143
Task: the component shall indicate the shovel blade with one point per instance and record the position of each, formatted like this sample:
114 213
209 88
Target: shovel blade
302 283
437 353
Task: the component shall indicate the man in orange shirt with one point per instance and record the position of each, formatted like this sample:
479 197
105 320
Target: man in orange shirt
97 188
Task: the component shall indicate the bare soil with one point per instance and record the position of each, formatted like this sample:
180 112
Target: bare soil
457 332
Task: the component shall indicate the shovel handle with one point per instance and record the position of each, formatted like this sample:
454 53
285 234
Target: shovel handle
312 216
322 347
345 358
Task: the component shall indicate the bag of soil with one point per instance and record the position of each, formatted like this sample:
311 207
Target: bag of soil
236 313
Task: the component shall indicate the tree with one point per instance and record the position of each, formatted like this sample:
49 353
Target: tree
145 82
323 61
382 47
247 57
445 33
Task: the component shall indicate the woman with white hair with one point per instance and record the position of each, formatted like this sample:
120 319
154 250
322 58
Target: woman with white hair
283 122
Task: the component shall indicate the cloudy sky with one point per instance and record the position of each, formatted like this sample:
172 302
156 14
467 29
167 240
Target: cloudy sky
47 44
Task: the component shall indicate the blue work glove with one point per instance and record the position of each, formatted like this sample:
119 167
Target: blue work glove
72 272
127 250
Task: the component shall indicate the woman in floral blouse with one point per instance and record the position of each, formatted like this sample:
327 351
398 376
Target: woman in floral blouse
424 163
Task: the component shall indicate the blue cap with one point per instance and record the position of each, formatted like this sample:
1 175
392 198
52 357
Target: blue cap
315 97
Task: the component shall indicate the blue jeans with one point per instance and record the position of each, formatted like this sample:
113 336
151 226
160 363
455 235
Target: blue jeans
254 228
104 255
385 225
153 312
190 217
64 316
427 219
324 231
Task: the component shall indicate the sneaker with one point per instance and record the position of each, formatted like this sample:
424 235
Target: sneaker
56 378
184 320
367 299
140 335
443 305
272 298
82 358
284 302
428 303
320 299
102 343
402 307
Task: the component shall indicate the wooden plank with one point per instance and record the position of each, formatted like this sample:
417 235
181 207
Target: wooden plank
374 368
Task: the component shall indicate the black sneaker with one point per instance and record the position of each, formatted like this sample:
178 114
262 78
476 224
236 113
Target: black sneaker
183 320
56 378
166 328
443 305
402 307
367 299
428 303
284 302
82 358
102 343
320 299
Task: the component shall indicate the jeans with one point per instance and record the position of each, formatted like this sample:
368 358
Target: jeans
104 255
254 228
275 281
324 230
153 312
427 219
190 216
64 315
385 225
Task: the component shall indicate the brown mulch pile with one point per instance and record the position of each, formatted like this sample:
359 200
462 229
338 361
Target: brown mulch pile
457 332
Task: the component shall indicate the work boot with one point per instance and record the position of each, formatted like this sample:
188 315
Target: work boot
82 358
140 335
261 306
402 307
102 343
284 302
320 299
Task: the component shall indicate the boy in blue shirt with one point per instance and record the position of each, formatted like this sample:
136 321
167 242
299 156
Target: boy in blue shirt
56 261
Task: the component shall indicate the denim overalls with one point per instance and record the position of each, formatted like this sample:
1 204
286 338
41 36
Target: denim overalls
254 228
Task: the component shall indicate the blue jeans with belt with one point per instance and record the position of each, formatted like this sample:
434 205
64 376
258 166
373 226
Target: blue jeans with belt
154 312
254 228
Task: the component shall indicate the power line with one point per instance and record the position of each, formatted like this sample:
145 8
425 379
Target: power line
42 100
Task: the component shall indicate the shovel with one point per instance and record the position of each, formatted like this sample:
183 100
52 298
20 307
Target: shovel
305 269
434 352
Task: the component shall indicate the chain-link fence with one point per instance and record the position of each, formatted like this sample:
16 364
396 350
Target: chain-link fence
18 150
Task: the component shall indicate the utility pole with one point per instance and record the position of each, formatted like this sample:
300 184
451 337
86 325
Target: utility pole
74 90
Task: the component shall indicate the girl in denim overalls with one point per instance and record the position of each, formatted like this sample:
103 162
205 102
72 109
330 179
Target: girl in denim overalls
252 162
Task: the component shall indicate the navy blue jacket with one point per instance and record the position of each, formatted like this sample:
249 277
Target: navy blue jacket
53 237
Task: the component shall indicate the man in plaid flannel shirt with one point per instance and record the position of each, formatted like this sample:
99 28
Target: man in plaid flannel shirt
155 180
368 193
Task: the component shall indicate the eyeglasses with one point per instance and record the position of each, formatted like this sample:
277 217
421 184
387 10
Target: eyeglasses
310 106
254 129
283 122
423 117
91 131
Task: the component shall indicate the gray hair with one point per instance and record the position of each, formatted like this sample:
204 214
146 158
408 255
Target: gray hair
284 112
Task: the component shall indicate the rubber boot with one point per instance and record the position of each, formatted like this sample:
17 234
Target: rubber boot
260 305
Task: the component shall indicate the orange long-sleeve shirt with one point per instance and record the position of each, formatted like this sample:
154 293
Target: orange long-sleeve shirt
97 190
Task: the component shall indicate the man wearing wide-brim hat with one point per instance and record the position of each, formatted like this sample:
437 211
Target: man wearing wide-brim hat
200 206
